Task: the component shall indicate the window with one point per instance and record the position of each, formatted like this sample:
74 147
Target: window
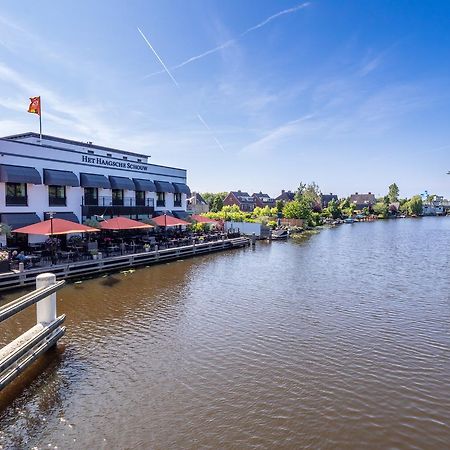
117 197
57 196
91 196
125 157
140 198
177 199
16 194
160 199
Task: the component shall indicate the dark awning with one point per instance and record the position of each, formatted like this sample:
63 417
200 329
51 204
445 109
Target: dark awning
60 178
161 213
144 185
181 215
121 183
94 180
18 220
182 189
19 174
70 216
164 186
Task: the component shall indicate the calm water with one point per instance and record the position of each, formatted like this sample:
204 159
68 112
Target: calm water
338 341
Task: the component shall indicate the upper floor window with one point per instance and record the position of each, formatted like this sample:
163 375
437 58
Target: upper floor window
16 194
90 196
117 197
140 198
57 196
177 199
160 199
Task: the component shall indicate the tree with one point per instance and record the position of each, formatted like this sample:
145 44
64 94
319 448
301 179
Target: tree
381 209
300 190
333 210
215 201
279 205
393 193
415 205
297 210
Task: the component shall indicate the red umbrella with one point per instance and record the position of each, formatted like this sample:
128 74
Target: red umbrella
202 219
169 221
123 223
55 226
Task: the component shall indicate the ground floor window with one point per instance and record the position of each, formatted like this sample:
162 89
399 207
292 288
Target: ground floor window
16 194
57 196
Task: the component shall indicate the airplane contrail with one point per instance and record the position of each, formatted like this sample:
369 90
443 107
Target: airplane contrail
233 40
178 87
159 59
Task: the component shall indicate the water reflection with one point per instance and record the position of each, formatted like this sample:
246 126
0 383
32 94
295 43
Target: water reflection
338 341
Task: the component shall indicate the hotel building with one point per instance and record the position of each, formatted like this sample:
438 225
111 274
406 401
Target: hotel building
78 180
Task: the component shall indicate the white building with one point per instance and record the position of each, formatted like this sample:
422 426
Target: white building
79 180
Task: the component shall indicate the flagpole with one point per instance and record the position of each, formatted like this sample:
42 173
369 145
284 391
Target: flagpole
40 121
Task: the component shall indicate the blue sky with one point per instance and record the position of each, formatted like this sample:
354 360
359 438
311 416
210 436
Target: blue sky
351 94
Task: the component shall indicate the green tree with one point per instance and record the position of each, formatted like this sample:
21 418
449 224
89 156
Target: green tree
279 205
393 193
381 209
415 205
333 210
300 191
297 210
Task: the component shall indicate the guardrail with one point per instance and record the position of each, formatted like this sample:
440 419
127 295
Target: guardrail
14 280
16 356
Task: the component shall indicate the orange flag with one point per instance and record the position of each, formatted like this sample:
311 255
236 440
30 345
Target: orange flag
35 105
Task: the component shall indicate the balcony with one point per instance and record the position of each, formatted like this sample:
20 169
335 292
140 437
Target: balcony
106 205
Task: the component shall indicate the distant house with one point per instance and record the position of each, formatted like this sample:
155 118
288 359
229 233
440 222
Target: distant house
435 206
197 204
362 201
286 196
245 201
263 200
326 198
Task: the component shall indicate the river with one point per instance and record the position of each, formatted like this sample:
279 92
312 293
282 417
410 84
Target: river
338 341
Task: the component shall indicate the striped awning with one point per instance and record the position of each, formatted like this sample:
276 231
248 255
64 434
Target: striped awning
164 186
182 188
60 178
94 180
121 183
19 174
144 185
19 220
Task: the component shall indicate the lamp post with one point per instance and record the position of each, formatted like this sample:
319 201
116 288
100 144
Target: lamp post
52 245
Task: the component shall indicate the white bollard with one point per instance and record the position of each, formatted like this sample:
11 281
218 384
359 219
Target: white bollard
21 267
46 308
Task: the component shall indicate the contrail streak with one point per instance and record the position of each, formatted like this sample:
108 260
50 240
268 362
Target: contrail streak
159 59
212 133
232 41
178 87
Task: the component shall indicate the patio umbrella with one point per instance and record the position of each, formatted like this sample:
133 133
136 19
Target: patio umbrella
202 219
123 223
55 226
169 221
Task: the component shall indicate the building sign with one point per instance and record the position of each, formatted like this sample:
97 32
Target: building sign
98 161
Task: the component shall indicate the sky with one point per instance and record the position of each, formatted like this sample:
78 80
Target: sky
254 95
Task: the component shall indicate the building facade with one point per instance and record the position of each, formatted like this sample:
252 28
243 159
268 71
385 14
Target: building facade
245 202
78 180
197 204
263 200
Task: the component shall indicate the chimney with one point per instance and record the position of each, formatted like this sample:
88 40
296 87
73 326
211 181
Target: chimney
356 193
282 191
370 193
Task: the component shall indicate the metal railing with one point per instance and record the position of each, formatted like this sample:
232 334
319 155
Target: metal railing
109 201
16 356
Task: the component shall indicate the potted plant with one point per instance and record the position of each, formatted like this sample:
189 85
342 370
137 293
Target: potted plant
5 232
147 247
4 261
94 254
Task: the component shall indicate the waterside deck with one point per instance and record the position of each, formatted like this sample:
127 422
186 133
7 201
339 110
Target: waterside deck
80 269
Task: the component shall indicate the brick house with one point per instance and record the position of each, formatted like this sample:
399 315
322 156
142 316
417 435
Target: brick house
243 200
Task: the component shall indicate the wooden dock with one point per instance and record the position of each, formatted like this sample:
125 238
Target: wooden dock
80 269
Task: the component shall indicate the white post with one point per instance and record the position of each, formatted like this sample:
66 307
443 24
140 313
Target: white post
46 308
